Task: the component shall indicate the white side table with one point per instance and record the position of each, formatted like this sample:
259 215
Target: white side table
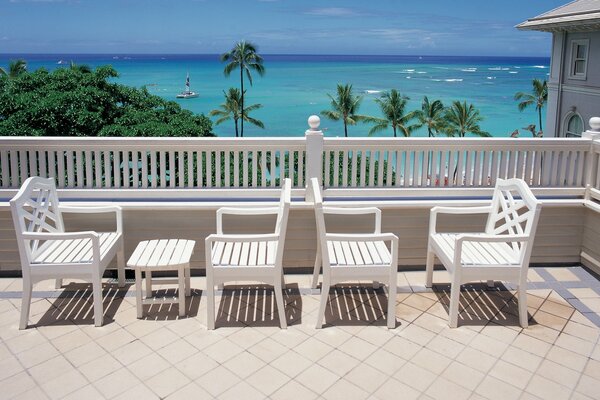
162 255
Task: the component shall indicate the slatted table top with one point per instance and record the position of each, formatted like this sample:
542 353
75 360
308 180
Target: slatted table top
162 254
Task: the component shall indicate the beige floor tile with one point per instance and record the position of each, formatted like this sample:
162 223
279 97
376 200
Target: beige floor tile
391 389
500 333
366 377
267 379
443 389
17 384
344 390
560 310
71 341
191 391
223 350
166 382
291 337
476 359
268 350
582 331
575 344
116 383
419 302
196 365
588 386
217 380
511 374
25 341
177 351
415 376
37 354
338 362
99 367
148 366
49 370
402 347
521 358
562 274
357 348
462 375
132 352
488 345
115 340
293 389
431 361
84 354
495 389
64 384
385 361
317 378
417 334
244 364
159 338
584 293
32 394
592 369
547 389
87 392
313 349
408 313
242 390
532 345
558 373
140 391
142 327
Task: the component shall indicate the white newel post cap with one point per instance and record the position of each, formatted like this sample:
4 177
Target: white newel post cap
314 122
595 124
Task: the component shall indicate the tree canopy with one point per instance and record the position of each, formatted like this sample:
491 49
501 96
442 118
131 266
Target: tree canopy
77 101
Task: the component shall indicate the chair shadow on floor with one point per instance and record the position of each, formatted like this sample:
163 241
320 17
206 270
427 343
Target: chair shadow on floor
255 305
74 305
170 311
480 304
356 305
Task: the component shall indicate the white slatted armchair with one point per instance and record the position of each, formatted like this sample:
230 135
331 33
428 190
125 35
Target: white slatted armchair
353 257
48 252
501 252
257 257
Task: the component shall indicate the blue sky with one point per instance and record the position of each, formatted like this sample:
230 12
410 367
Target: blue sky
431 27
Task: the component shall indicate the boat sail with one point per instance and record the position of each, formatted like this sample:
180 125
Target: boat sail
187 93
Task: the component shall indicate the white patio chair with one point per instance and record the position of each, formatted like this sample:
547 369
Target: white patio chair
48 252
353 257
257 257
501 252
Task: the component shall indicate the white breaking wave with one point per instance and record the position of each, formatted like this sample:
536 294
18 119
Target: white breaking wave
539 66
491 77
494 69
453 80
372 91
469 69
513 72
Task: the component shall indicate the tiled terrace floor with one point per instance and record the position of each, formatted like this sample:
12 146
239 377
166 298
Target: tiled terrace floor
353 357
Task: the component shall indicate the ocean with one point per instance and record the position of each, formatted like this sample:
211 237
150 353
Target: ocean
296 86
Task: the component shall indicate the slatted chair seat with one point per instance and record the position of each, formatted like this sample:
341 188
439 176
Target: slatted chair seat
76 251
346 254
501 252
247 254
48 252
256 257
353 257
476 253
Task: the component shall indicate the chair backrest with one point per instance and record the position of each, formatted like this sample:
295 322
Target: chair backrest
315 190
282 217
515 211
35 208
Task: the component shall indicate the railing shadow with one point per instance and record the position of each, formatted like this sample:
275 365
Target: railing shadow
480 305
255 305
356 305
75 305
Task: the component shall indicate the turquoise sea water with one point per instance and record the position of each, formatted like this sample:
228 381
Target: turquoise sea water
296 86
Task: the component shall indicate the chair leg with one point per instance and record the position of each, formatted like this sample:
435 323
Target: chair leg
97 295
25 304
523 316
121 268
392 291
138 293
317 268
148 275
454 303
181 290
210 300
280 304
58 284
429 268
324 299
188 284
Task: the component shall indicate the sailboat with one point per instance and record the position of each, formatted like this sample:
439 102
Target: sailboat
187 93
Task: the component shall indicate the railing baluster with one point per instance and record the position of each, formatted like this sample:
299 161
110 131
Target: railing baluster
89 171
345 167
42 165
4 162
162 167
245 168
172 169
301 168
181 169
144 161
209 169
255 182
135 168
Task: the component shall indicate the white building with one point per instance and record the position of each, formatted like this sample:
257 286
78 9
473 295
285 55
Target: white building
574 81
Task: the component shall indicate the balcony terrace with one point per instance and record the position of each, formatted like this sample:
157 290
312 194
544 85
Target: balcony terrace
172 188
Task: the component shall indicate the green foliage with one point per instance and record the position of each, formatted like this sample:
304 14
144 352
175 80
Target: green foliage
431 115
462 119
344 107
245 57
393 106
537 97
76 101
15 68
231 109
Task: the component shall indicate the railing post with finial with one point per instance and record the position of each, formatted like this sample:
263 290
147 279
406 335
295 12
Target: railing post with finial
591 176
314 150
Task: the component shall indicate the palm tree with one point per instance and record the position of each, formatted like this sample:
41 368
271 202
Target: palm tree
537 97
83 68
15 68
431 115
243 56
392 106
231 110
345 107
462 119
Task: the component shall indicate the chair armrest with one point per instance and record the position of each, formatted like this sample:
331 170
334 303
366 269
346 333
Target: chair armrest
241 238
242 211
366 237
453 210
93 236
97 210
357 211
469 237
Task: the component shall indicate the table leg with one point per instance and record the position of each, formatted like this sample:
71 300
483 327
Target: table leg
138 293
181 290
188 285
148 284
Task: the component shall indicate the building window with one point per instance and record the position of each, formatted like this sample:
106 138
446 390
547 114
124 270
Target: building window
574 126
579 57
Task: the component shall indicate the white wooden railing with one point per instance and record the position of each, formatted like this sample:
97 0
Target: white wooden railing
170 167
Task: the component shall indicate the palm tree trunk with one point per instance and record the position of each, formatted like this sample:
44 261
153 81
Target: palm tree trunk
236 127
345 128
394 131
242 87
540 116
